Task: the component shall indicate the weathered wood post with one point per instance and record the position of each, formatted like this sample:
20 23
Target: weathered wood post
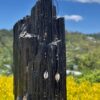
39 55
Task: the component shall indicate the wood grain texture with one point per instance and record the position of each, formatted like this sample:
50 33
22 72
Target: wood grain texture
39 55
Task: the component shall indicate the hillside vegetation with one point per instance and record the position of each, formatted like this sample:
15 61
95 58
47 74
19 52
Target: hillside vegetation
83 54
5 51
83 51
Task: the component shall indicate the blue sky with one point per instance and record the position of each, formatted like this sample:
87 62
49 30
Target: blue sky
80 15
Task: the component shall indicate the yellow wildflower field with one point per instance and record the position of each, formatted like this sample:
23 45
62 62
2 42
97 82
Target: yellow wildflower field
75 91
82 91
6 88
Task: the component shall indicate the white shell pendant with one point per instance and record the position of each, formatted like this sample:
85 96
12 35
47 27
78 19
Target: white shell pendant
57 77
46 75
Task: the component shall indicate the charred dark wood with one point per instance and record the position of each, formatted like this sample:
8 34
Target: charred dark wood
39 55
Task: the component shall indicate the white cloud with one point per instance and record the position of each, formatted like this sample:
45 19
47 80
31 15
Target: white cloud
86 1
75 18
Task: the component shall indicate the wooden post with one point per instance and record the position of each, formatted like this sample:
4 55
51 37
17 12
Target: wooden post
39 55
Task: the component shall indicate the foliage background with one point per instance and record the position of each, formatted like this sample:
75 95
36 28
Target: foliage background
5 51
82 50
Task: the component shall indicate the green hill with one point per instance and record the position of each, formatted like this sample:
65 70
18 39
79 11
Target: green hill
83 51
96 35
5 51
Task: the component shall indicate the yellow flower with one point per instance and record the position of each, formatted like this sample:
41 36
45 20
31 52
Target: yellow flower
6 88
75 91
82 91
